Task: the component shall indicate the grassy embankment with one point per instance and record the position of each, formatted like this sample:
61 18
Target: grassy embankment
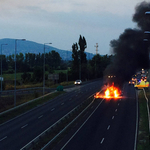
143 141
7 102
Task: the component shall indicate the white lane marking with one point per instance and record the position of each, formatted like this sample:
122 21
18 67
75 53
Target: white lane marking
40 116
81 126
116 110
3 138
108 127
112 117
24 126
53 109
62 103
102 140
118 104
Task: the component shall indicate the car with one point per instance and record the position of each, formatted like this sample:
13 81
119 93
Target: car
78 82
131 82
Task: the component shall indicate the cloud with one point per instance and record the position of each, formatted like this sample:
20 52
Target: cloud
115 6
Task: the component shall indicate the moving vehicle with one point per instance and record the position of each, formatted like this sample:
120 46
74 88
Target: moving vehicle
78 82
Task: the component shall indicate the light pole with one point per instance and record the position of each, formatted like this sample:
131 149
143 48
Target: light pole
44 70
15 69
1 65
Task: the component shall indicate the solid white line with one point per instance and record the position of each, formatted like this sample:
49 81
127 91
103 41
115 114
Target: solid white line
108 127
3 138
62 103
81 126
24 126
40 116
116 110
102 140
118 104
53 109
112 117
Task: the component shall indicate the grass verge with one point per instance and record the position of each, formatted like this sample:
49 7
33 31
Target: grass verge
143 142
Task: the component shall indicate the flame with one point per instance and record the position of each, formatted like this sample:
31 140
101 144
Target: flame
109 92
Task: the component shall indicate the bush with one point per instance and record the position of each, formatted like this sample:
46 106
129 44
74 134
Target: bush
26 77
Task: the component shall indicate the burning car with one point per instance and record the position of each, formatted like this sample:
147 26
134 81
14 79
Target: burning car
109 93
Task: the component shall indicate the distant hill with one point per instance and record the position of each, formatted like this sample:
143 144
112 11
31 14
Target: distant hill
33 47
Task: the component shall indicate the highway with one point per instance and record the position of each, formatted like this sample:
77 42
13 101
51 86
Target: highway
19 131
109 125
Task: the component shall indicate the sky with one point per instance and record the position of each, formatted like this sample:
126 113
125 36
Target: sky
61 22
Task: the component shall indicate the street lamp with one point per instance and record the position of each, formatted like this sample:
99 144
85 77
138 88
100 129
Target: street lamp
15 68
44 70
1 65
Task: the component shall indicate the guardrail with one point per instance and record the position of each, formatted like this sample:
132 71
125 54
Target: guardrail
25 103
26 90
147 108
31 143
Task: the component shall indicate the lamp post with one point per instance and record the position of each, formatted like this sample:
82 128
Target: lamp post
44 70
1 65
15 69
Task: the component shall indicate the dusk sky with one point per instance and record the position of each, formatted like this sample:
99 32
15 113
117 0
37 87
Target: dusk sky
61 22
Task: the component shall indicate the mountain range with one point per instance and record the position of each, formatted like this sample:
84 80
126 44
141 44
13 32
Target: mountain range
33 47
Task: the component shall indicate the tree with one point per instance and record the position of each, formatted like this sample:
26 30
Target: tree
37 74
79 63
82 58
75 61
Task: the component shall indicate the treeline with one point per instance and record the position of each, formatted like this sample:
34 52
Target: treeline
27 62
78 68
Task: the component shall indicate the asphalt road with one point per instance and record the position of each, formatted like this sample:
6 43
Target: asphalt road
112 126
17 132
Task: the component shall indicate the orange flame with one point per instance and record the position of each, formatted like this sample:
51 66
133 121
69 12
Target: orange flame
110 92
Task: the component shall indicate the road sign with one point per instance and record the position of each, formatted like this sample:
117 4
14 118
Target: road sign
53 76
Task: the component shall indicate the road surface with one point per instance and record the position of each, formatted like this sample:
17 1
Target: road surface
17 132
112 126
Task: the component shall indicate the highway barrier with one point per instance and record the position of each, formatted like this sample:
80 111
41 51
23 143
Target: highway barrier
147 108
32 144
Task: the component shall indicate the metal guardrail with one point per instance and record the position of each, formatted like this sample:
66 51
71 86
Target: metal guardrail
25 90
25 103
147 108
67 126
30 144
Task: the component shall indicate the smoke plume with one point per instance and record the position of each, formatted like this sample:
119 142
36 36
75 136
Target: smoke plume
130 50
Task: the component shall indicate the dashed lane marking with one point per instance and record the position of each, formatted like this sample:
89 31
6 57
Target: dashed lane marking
24 126
108 127
40 116
62 103
3 138
53 109
102 140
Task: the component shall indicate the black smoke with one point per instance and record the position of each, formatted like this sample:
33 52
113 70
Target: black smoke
142 20
130 50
